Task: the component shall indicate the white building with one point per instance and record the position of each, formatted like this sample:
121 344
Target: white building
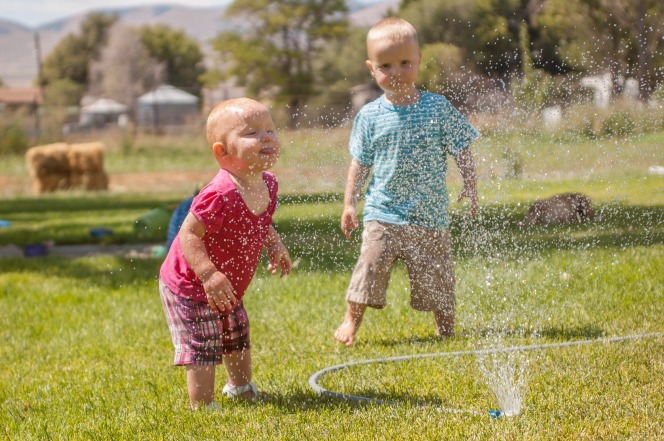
101 112
166 106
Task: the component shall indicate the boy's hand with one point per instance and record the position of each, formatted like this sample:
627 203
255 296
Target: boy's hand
278 255
467 168
349 220
220 293
469 191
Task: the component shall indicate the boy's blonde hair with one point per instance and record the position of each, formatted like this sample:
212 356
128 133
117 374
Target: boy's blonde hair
392 28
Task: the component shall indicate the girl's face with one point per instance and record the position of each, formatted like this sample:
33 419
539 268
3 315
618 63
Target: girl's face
252 144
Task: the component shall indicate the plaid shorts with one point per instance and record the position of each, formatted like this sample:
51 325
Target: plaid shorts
200 335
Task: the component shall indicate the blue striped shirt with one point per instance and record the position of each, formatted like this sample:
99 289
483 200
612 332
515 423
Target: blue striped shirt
407 147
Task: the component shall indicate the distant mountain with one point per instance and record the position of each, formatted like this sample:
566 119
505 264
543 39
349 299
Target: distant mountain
17 63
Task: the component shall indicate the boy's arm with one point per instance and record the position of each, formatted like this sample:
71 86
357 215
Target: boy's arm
218 288
467 168
357 175
277 253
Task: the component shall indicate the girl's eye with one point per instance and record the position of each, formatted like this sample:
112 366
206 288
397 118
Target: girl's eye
404 62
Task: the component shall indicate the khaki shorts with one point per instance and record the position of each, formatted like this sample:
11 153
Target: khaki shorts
427 254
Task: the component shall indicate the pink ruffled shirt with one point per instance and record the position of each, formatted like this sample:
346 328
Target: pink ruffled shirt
234 239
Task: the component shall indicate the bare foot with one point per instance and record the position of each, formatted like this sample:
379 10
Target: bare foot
346 333
352 320
444 323
444 333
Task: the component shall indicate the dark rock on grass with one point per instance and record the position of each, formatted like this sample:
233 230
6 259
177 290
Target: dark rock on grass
561 209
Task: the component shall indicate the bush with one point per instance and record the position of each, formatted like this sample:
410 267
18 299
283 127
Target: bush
513 164
13 139
620 123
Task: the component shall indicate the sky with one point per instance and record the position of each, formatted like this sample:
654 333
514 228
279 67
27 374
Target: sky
33 13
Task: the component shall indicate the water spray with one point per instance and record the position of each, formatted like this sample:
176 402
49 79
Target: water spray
495 414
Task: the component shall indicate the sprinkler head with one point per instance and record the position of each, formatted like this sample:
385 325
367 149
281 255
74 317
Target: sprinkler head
498 414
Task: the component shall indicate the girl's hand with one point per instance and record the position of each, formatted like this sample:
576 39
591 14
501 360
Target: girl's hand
349 220
278 255
220 293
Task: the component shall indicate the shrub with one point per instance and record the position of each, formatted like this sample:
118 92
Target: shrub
13 139
620 123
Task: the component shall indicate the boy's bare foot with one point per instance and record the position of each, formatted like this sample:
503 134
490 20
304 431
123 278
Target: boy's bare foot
444 323
352 320
346 333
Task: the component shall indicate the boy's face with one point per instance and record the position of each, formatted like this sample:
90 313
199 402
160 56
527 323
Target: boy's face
251 143
394 64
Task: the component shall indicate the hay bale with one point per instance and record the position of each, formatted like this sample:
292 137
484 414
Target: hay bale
61 166
86 158
50 183
560 209
44 160
95 181
49 167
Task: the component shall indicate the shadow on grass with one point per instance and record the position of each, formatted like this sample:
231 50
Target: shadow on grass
584 332
316 239
304 402
495 233
119 272
87 203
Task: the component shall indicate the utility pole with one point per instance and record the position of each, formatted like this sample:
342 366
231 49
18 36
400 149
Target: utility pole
37 53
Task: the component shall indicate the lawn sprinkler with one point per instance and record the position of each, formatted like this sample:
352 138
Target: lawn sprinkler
493 414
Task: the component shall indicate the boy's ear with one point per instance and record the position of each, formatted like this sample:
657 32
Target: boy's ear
370 66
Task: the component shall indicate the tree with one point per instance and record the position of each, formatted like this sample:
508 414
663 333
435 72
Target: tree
487 30
71 58
341 63
125 69
644 21
275 55
62 93
181 55
439 60
620 36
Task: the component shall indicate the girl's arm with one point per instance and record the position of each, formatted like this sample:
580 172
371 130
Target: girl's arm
357 175
467 168
277 253
219 291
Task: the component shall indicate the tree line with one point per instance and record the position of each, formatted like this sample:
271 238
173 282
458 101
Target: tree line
291 50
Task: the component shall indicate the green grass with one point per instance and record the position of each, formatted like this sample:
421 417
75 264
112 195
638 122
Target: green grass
316 160
67 218
86 352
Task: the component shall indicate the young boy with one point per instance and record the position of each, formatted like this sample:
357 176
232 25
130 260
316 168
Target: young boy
214 257
405 136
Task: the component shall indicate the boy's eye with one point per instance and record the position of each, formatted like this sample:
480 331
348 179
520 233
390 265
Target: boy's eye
404 62
384 66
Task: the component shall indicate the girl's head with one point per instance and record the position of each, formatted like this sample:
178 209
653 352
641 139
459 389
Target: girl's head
242 136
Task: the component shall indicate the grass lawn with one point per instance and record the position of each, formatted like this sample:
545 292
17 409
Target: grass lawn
86 352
